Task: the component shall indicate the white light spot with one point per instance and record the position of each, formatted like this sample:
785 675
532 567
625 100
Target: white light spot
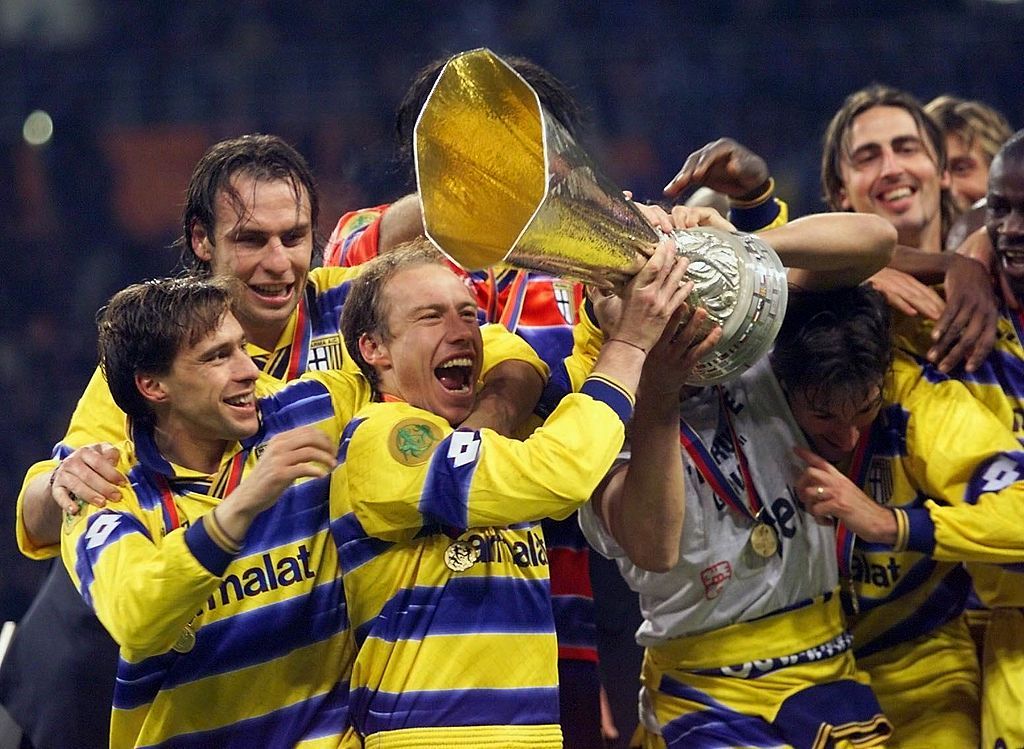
38 128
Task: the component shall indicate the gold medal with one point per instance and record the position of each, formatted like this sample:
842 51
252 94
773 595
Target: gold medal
763 540
186 640
460 556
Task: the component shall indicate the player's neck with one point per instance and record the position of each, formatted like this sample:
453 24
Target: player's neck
202 455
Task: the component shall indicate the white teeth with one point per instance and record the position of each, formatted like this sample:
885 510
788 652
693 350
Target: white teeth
464 361
270 290
897 194
240 400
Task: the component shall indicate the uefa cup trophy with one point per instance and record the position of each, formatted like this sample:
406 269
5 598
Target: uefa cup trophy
501 181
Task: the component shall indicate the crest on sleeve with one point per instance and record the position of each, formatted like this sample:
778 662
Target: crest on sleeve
412 441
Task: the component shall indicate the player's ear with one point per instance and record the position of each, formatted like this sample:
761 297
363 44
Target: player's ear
152 388
375 351
202 244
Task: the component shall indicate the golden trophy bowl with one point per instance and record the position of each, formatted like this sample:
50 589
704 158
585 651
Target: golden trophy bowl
502 182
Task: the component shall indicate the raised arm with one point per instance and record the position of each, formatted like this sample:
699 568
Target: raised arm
829 250
642 505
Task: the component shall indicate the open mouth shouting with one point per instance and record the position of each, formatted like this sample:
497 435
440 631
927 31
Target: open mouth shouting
456 375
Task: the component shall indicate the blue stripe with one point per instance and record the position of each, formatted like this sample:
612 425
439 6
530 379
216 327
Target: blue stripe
87 558
921 530
612 396
302 512
355 547
1001 369
205 549
300 403
756 217
325 308
715 727
558 386
346 438
574 621
989 477
842 703
445 496
464 605
146 451
373 712
564 534
910 580
239 641
320 716
144 483
944 603
551 342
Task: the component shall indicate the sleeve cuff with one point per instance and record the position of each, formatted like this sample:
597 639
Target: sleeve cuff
615 396
206 550
751 218
920 530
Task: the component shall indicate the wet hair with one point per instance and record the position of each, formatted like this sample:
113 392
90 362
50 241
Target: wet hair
834 346
365 311
835 145
554 96
264 158
144 327
973 121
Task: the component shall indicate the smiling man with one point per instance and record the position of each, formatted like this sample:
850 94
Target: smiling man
216 569
999 384
438 528
250 214
884 155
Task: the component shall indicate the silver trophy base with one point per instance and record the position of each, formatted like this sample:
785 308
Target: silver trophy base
741 283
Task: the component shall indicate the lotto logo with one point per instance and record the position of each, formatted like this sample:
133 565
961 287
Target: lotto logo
1000 474
463 448
100 530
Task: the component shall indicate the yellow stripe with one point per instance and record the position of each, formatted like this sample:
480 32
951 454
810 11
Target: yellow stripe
771 637
491 661
469 737
265 686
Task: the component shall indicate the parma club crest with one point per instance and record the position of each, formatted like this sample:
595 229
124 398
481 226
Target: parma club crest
412 441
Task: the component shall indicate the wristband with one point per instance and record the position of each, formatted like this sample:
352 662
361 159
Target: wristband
764 192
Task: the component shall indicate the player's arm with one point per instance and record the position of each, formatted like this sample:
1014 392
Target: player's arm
513 377
479 478
830 250
642 504
143 593
89 475
959 454
401 222
729 168
965 322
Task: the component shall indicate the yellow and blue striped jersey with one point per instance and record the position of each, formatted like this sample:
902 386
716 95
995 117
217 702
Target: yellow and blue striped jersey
958 474
311 341
446 570
199 627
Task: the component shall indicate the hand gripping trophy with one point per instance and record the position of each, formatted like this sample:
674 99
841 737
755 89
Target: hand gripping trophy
501 181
